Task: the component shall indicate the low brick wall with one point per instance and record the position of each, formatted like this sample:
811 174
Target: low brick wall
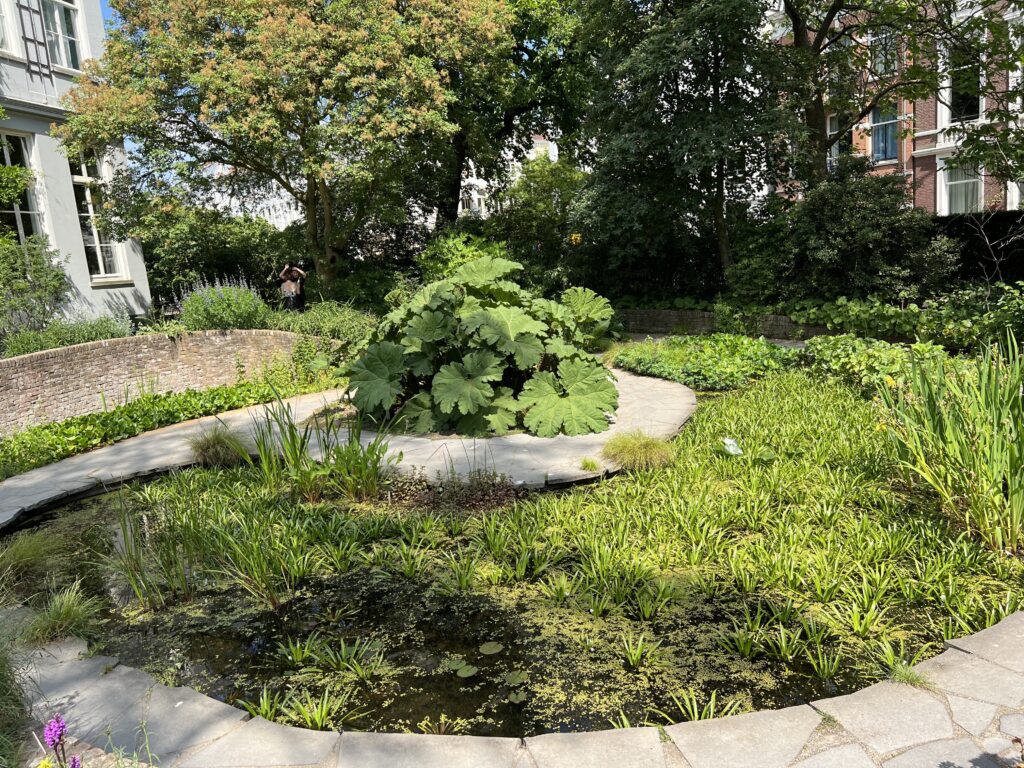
658 321
59 383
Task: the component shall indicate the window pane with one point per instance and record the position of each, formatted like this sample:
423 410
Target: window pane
82 200
109 262
965 86
93 261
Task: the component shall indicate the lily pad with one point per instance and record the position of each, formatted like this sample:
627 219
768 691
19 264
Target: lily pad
455 663
489 649
467 671
516 677
517 697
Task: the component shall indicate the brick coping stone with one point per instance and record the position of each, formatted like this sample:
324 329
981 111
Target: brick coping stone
654 406
952 723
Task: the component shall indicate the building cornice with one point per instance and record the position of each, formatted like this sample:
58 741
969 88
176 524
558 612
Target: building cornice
32 108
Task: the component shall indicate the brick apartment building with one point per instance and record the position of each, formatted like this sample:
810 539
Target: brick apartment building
914 138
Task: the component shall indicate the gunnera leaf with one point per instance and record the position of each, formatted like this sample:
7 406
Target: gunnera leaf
377 376
575 402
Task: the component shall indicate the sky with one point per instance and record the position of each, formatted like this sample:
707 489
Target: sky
106 9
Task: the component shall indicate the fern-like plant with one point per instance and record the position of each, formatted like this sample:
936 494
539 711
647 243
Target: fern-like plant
477 354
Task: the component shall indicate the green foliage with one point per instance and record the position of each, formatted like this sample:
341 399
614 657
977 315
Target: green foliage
863 317
13 710
706 363
33 285
68 612
330 320
638 451
866 363
856 234
450 250
533 218
478 354
224 306
47 443
64 333
960 431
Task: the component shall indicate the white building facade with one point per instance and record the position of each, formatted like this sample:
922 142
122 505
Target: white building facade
476 195
43 44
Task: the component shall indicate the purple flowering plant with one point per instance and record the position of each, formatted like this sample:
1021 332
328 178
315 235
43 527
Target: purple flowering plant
55 738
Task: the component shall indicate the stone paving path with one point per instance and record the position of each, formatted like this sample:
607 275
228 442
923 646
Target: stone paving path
655 406
966 717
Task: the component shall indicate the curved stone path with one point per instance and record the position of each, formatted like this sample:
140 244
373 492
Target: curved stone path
966 717
654 406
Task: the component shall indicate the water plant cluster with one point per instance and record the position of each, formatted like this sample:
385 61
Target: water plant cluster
787 551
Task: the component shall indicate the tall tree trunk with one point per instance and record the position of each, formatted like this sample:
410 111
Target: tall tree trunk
816 122
327 259
721 224
448 207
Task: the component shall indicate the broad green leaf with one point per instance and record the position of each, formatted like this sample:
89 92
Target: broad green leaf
512 331
377 376
417 414
484 271
587 306
575 402
552 312
483 365
426 327
560 349
454 388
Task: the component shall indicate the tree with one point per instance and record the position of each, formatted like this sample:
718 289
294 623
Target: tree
683 124
533 219
844 58
322 99
529 83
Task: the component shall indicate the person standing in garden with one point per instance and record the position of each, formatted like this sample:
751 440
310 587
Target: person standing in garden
292 287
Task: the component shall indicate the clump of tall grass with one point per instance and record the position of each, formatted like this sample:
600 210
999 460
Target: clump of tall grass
961 430
217 447
638 451
13 712
68 612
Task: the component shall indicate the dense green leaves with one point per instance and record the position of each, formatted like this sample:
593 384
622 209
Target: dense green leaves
477 354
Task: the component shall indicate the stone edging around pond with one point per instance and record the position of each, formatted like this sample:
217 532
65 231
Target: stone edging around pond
966 718
657 407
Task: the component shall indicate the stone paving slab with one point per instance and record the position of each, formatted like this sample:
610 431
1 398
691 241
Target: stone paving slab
1012 725
620 748
173 720
975 717
844 756
953 753
1001 644
413 750
966 675
774 737
890 716
261 744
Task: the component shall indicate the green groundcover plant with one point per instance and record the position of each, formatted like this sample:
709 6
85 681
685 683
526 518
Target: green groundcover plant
706 363
64 333
478 354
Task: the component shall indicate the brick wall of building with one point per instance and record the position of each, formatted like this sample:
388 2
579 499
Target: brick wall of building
59 383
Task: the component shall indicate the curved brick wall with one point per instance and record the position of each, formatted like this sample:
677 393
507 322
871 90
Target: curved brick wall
59 383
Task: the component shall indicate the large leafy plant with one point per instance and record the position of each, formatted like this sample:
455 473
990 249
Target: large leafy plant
477 354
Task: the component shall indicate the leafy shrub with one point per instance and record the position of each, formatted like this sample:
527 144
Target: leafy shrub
478 354
64 333
13 712
450 250
864 317
866 363
854 235
638 451
960 432
47 443
224 306
707 363
974 317
331 320
33 284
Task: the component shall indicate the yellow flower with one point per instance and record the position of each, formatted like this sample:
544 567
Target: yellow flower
46 762
575 238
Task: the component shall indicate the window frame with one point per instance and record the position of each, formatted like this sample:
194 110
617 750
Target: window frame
59 8
945 101
893 54
100 240
893 123
944 188
6 33
35 211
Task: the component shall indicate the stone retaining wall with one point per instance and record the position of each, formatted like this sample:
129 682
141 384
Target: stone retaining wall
57 384
695 321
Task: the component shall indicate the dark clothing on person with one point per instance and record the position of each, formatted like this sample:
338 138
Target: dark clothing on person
292 288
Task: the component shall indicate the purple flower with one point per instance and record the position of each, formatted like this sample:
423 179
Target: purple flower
55 732
75 762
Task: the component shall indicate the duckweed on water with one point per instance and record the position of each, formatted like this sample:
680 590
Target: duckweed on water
794 568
